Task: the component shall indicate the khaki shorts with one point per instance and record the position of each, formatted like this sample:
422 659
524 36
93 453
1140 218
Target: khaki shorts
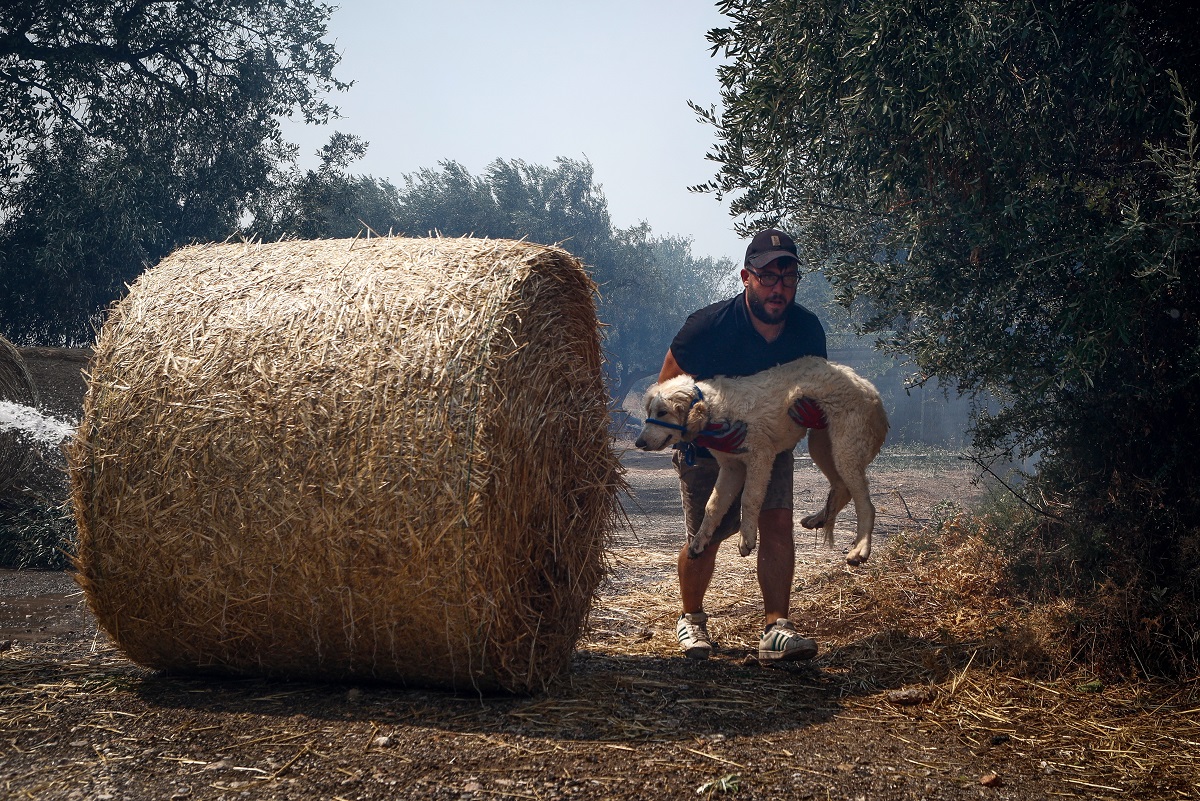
696 484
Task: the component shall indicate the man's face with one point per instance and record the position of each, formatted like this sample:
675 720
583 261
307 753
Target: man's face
770 303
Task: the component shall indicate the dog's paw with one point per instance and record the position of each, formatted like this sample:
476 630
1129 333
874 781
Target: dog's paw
814 521
693 552
857 557
746 548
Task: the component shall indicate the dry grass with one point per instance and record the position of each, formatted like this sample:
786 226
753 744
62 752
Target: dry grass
997 669
931 631
15 381
382 459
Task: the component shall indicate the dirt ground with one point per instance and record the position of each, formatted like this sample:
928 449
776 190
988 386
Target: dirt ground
865 721
633 720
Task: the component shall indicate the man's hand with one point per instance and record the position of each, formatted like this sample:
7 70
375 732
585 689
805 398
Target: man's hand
806 413
726 436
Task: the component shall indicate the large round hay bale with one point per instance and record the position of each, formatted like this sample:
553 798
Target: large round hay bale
16 387
381 459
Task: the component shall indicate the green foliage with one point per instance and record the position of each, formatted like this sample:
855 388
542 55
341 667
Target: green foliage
128 128
113 70
654 284
1008 191
326 202
816 293
729 783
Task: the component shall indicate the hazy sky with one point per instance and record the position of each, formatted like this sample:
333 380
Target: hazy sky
473 81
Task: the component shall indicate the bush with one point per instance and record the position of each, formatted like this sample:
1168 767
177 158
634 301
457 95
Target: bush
1114 615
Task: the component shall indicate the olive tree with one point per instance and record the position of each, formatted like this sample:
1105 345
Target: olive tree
128 127
1008 189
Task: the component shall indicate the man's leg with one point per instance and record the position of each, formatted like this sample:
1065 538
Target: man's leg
776 562
776 569
695 575
691 629
695 485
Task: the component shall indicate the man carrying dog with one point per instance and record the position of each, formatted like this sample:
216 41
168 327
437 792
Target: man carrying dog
756 330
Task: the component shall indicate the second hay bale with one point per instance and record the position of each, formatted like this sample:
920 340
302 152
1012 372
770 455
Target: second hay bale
383 459
17 387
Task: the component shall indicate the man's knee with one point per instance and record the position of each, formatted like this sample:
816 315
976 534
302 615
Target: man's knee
775 523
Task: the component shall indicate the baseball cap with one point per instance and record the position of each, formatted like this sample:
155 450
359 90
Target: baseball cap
768 245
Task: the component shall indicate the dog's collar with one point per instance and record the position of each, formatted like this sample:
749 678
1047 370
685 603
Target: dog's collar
674 427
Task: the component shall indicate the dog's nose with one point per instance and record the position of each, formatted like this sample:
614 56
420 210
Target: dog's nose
640 444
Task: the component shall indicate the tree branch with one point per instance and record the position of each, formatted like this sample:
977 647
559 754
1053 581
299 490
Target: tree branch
978 460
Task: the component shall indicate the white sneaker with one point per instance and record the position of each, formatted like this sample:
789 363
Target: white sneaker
781 642
692 630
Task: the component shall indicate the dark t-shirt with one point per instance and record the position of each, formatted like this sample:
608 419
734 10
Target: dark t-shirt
721 340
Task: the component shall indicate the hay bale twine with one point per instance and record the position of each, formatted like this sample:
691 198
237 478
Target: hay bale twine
381 459
17 387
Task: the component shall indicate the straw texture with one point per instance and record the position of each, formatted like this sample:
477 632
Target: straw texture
16 385
383 459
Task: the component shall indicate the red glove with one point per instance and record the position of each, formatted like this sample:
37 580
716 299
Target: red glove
725 436
807 414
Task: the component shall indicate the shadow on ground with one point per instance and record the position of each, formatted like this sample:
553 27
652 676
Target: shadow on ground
617 698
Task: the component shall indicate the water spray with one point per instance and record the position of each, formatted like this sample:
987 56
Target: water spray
42 429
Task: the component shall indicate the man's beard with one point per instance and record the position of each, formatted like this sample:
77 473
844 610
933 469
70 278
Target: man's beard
758 309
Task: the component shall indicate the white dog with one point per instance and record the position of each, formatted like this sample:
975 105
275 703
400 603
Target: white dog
679 409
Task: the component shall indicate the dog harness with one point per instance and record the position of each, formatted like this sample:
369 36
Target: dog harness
687 448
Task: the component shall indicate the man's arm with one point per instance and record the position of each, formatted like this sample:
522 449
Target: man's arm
670 368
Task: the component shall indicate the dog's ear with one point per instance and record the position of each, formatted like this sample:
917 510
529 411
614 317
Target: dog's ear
697 418
677 401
